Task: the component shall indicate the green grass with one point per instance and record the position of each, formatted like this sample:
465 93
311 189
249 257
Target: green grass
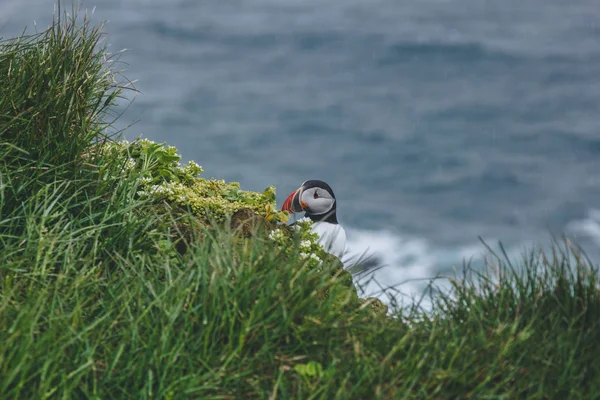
97 301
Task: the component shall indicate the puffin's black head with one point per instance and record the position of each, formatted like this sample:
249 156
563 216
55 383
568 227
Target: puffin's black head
316 199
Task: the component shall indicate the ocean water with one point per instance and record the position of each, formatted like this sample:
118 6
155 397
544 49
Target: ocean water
434 121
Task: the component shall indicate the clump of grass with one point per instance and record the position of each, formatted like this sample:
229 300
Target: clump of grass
96 300
230 318
222 319
527 330
56 91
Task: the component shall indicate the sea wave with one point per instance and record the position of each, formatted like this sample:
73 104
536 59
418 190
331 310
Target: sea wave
403 269
588 227
398 268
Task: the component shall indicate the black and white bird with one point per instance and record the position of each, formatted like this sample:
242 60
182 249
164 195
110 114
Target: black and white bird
318 202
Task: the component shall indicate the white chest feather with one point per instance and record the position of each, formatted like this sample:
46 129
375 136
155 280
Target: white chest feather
332 237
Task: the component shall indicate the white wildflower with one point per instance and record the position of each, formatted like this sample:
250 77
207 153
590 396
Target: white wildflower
276 234
303 255
160 190
193 164
316 258
305 244
130 164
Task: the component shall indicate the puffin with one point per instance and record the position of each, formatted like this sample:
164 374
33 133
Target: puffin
318 202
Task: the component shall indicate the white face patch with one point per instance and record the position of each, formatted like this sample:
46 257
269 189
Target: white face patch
319 200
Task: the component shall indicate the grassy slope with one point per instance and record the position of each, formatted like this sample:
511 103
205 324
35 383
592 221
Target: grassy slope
94 301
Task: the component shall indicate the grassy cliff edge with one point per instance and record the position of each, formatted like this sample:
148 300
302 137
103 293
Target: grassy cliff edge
124 274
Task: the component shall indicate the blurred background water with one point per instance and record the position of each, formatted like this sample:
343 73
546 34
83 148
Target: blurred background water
435 121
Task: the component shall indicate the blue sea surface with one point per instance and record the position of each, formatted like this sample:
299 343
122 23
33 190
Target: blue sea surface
434 121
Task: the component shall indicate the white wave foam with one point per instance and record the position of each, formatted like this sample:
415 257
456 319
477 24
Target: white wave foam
409 264
588 227
406 264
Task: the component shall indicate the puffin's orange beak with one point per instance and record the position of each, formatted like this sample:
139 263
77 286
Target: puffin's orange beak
293 204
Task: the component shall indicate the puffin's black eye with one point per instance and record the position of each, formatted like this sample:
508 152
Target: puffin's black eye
316 195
